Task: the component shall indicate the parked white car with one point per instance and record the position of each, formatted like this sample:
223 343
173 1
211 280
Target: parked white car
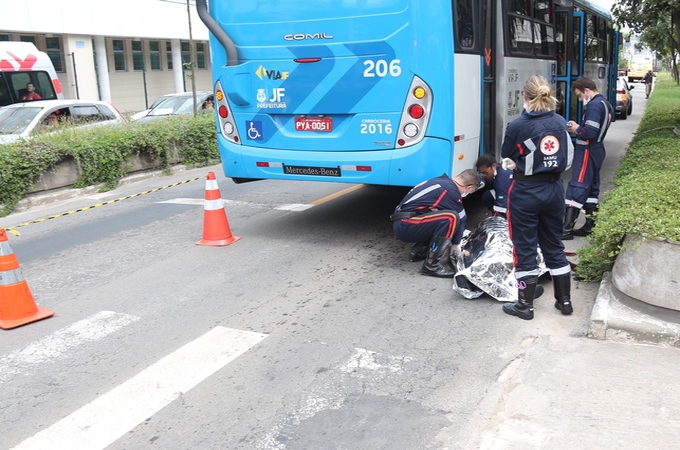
141 114
23 120
177 104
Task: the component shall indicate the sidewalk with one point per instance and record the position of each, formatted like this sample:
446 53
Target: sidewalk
578 393
568 389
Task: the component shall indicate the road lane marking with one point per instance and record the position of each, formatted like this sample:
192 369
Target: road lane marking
337 194
56 345
296 207
104 420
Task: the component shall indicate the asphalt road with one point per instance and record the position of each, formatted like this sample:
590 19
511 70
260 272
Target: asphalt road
310 332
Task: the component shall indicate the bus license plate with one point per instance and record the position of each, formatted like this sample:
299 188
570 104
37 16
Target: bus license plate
314 124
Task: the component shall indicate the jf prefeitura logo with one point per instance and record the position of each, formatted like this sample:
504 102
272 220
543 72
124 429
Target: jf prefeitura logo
267 99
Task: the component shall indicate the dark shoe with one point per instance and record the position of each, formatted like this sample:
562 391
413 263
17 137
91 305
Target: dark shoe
539 291
562 285
524 306
570 216
519 309
587 229
438 263
418 251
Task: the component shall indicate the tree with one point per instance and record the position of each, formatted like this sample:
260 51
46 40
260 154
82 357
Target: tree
657 21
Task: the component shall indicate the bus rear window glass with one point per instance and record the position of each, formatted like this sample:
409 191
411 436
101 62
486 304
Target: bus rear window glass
545 40
465 31
542 11
520 7
521 39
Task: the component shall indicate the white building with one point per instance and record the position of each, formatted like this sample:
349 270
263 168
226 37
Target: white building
128 52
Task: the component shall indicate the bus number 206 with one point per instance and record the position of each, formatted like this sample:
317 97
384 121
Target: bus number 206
382 68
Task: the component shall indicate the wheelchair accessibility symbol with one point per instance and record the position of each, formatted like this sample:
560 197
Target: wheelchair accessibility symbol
254 128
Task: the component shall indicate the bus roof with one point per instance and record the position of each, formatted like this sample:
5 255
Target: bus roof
596 6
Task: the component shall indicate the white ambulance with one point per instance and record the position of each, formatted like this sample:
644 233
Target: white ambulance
26 74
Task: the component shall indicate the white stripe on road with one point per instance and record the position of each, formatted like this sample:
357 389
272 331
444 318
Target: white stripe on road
297 207
56 345
107 418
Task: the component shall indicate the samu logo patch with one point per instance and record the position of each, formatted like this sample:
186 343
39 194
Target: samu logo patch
549 145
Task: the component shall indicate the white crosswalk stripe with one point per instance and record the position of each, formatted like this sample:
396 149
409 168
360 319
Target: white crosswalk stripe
107 418
56 345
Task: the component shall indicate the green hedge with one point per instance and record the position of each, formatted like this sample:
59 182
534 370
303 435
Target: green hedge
101 153
646 196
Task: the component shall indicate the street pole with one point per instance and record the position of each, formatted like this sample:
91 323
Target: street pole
191 62
75 73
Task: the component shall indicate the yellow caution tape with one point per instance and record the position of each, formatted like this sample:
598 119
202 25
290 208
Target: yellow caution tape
16 233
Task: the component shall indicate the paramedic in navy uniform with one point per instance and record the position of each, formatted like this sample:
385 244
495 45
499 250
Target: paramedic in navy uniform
432 215
537 147
584 187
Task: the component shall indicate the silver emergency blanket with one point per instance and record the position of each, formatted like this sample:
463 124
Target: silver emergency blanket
485 264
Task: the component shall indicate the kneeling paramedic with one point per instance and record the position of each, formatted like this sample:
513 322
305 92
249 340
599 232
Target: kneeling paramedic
432 215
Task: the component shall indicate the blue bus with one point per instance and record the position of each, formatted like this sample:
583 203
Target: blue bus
389 92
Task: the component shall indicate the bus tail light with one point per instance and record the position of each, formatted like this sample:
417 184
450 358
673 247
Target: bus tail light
225 118
416 111
416 114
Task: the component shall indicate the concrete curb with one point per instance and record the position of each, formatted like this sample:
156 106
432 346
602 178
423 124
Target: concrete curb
66 193
614 319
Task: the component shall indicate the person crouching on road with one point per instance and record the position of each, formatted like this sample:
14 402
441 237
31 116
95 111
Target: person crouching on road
497 180
432 215
537 148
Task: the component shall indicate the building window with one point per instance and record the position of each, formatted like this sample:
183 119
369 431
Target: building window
200 55
30 39
168 49
186 55
53 45
119 55
4 37
155 55
137 56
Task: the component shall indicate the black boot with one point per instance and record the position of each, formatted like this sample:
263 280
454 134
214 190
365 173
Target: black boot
524 307
570 216
562 285
418 251
586 229
438 262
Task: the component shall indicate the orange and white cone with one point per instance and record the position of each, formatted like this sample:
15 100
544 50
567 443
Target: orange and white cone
216 230
17 306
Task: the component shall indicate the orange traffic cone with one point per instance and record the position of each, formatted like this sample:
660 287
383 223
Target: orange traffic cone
216 230
17 306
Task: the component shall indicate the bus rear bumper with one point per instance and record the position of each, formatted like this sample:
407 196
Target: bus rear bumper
397 167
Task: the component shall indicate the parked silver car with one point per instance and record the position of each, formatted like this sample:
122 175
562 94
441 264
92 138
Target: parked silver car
178 104
624 99
23 120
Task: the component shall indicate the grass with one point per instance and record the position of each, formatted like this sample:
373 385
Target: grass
645 199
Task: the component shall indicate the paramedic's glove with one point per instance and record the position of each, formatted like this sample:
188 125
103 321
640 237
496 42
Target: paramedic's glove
508 164
456 250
